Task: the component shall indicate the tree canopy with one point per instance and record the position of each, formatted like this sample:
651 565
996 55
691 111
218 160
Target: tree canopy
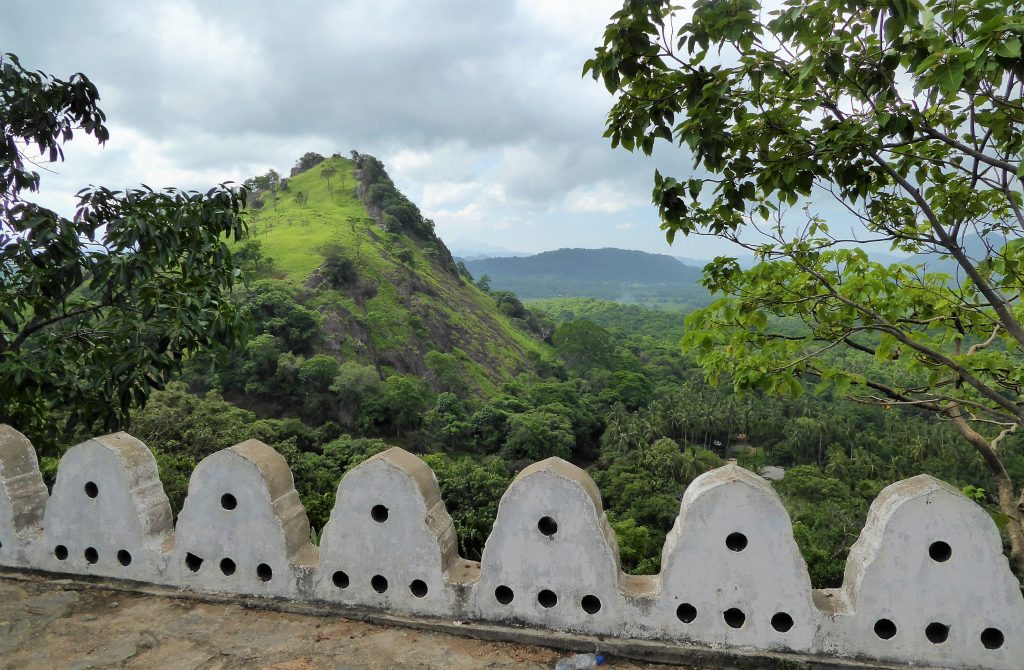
908 117
98 309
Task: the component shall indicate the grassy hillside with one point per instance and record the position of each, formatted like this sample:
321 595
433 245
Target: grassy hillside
387 288
607 274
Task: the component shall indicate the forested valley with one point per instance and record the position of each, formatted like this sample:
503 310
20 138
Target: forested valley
357 331
346 362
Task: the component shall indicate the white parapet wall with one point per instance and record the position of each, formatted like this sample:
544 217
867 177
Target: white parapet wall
242 528
926 584
551 559
22 497
731 571
108 514
390 542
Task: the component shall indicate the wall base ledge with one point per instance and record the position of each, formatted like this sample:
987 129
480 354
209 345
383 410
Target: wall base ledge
653 651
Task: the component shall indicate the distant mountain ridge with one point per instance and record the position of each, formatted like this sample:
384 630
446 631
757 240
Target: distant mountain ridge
610 274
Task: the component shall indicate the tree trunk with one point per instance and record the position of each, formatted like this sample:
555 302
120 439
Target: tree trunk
1009 503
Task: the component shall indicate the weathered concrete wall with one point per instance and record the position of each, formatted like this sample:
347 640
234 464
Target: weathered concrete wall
390 542
242 528
551 559
926 583
108 514
22 497
731 571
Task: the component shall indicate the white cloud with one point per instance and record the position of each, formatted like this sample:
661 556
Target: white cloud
478 110
438 194
602 198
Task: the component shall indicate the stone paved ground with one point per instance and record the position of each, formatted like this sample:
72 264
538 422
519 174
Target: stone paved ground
47 623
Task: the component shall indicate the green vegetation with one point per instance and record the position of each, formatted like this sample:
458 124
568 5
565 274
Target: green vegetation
908 114
364 333
98 310
622 401
361 255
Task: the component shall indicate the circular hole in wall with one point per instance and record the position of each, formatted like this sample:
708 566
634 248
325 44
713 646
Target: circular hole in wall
418 588
91 555
228 501
591 604
736 541
936 632
885 629
340 579
992 638
264 572
547 526
504 594
782 622
193 562
61 552
124 557
547 599
379 513
227 566
91 489
379 583
734 617
940 551
686 613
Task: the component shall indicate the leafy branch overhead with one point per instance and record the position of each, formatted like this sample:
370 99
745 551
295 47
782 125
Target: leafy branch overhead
903 116
98 309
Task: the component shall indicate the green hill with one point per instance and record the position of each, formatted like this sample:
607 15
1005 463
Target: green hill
357 251
607 274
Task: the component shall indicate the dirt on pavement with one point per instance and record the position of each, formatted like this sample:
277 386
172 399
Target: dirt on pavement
48 623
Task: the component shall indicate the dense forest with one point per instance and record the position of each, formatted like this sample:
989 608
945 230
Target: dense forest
342 362
623 402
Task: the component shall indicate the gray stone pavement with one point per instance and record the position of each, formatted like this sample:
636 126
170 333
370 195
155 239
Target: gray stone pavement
53 623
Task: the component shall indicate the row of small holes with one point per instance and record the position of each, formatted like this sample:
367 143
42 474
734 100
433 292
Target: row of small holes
591 604
228 567
734 617
937 633
92 556
418 587
939 551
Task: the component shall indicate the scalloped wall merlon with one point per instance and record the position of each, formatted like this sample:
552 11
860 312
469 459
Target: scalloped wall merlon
551 559
390 542
108 514
926 583
23 497
242 528
732 574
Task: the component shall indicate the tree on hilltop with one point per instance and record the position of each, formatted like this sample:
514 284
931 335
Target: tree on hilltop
909 115
99 309
326 172
306 161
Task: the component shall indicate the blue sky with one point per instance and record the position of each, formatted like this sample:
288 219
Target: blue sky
478 109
